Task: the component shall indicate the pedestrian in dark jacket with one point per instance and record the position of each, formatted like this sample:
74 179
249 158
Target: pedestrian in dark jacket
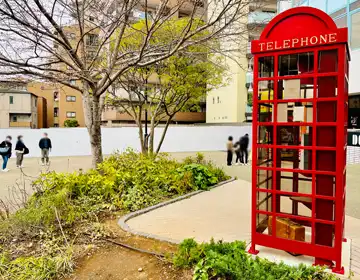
5 152
230 150
20 150
244 144
45 146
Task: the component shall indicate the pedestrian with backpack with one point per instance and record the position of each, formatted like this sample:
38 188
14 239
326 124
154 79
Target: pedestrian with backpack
20 150
5 152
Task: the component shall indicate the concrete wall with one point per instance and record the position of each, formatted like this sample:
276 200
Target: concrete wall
75 141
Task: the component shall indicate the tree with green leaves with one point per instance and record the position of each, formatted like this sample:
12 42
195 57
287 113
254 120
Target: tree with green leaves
167 87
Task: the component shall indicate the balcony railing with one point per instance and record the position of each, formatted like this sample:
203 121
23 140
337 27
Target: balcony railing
258 17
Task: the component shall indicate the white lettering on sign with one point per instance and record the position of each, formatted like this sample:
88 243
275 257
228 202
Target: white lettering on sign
298 42
355 140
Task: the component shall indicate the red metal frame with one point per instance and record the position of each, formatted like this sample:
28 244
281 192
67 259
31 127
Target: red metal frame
293 27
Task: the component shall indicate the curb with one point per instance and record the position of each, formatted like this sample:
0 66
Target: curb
124 226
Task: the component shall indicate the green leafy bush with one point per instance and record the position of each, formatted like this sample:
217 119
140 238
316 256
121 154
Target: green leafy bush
222 260
71 123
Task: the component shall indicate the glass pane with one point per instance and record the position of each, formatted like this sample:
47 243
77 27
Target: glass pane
295 64
341 22
262 221
265 135
264 157
355 31
328 61
293 182
265 90
295 112
334 5
264 201
265 112
327 87
296 88
298 159
288 202
291 229
264 179
294 136
266 66
320 4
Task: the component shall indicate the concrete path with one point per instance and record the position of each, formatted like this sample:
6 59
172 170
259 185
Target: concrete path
222 213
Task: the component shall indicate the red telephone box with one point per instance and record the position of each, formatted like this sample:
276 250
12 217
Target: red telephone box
300 108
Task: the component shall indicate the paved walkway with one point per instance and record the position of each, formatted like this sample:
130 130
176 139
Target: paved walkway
222 213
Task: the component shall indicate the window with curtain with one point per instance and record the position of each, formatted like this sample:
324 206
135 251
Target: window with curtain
355 31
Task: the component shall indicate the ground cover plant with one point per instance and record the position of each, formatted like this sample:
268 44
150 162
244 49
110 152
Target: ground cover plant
230 261
62 219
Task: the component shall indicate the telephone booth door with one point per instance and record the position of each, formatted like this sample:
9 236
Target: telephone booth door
299 136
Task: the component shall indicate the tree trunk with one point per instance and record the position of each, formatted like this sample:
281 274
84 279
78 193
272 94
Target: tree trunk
93 111
163 134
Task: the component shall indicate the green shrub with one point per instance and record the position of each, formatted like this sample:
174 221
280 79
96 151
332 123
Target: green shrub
202 176
71 123
222 260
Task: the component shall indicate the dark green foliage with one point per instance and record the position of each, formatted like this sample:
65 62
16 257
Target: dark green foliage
71 123
222 260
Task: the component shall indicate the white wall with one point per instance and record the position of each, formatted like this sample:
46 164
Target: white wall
75 141
354 70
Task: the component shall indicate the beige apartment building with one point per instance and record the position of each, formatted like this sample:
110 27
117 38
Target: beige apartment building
18 109
233 103
62 102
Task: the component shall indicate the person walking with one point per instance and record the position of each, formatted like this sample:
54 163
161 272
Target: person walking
45 146
20 150
5 152
244 144
230 150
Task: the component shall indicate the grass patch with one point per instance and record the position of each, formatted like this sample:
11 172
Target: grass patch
42 239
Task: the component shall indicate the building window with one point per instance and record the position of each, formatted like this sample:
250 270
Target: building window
341 22
35 102
213 100
335 5
14 118
70 98
71 114
320 4
218 99
56 125
56 112
56 96
355 31
91 40
11 99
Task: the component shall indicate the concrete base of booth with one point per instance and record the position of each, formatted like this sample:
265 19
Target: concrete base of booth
278 256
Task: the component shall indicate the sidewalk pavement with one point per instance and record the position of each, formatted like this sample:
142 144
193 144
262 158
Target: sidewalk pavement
222 213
